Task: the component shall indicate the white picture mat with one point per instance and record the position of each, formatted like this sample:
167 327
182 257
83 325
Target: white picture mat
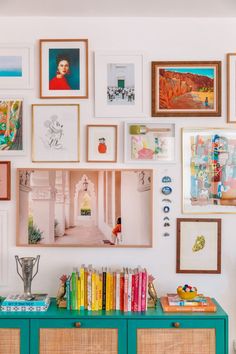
94 133
232 88
127 142
205 259
68 116
26 51
45 68
186 179
102 108
3 247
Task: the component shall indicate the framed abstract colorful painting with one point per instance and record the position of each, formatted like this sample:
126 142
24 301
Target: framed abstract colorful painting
16 66
198 248
54 128
147 142
101 143
5 180
209 170
12 127
186 88
64 68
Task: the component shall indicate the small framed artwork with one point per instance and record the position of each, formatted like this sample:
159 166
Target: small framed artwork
64 68
5 180
198 246
118 84
12 126
101 143
84 207
231 87
186 88
16 66
149 142
209 170
54 128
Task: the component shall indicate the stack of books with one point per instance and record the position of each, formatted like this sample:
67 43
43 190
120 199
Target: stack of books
173 303
16 302
93 290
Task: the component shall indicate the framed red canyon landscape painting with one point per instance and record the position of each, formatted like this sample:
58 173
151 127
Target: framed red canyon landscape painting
186 89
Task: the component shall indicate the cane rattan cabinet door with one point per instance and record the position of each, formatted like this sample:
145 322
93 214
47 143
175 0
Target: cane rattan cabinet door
14 336
178 336
79 336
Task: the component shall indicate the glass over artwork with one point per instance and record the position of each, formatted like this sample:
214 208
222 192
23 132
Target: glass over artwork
84 208
209 171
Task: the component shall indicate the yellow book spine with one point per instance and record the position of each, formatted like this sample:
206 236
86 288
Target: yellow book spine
93 291
86 289
100 292
108 292
82 288
78 294
111 291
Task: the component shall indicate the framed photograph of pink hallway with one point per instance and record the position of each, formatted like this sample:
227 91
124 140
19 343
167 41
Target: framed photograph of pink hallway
5 180
84 207
101 143
64 68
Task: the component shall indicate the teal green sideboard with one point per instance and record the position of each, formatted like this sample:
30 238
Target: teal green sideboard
127 333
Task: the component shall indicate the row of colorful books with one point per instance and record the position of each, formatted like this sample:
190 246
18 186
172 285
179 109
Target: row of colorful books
173 303
94 290
17 302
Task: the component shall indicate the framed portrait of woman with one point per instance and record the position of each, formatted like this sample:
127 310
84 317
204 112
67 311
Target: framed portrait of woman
64 68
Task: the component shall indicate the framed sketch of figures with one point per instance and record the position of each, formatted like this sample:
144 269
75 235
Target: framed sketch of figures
54 128
118 84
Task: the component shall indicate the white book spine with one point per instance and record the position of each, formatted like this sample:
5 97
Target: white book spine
129 290
117 291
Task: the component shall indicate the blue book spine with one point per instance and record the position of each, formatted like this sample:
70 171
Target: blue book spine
25 303
68 300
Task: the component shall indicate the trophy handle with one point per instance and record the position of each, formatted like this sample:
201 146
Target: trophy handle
17 269
36 261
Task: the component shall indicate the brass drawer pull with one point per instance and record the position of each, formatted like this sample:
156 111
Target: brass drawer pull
176 324
78 324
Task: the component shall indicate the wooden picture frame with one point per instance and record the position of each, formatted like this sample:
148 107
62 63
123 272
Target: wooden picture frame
64 68
198 246
58 207
196 93
102 143
231 87
53 128
5 180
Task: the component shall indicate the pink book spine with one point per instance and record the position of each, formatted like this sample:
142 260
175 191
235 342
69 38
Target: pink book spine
139 290
144 291
126 292
136 281
132 292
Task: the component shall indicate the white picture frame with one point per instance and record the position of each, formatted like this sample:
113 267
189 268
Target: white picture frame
3 247
115 71
54 128
102 143
231 87
16 66
148 142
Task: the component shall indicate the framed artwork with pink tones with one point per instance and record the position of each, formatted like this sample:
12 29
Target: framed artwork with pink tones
5 180
84 207
209 170
101 143
186 88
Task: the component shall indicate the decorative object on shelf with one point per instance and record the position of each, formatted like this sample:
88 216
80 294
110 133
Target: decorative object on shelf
64 68
12 126
187 292
118 84
101 143
16 66
209 165
231 88
149 142
60 299
54 127
5 180
166 190
59 207
193 257
27 264
166 179
190 89
152 300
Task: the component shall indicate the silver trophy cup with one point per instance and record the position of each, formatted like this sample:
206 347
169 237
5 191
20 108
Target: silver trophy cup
27 264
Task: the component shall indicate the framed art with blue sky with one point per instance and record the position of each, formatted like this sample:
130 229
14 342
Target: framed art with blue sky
16 66
64 68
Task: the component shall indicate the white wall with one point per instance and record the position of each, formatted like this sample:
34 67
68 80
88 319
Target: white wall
161 39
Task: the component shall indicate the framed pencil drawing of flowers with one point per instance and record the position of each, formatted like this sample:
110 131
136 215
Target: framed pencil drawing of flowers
64 68
186 89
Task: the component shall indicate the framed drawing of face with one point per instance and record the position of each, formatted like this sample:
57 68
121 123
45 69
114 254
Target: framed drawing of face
64 68
101 143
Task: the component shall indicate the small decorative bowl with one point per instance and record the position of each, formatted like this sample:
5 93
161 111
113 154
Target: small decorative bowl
186 295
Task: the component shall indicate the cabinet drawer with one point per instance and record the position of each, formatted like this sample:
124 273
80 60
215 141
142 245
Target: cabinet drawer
177 335
78 336
14 336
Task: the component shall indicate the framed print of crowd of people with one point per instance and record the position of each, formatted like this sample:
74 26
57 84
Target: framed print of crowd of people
64 68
